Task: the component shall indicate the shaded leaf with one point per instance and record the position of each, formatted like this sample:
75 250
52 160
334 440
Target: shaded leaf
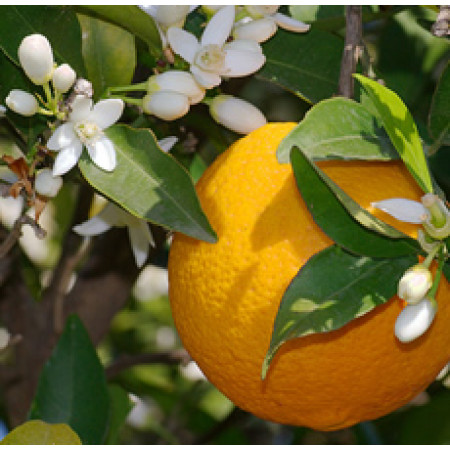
307 64
149 183
401 128
37 432
342 219
72 387
331 289
109 54
439 118
446 270
121 405
338 128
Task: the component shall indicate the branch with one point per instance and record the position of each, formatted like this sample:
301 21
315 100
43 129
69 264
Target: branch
441 27
352 50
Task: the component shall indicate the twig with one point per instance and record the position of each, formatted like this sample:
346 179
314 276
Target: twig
16 233
441 27
352 50
126 361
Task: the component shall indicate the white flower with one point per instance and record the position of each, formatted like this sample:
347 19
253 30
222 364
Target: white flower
167 105
46 184
414 320
85 126
263 22
167 143
236 114
63 78
36 58
113 216
210 59
22 103
403 209
167 15
415 284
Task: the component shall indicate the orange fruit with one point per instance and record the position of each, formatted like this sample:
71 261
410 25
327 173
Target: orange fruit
225 296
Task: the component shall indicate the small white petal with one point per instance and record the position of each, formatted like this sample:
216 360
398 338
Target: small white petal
258 11
167 143
414 320
62 137
241 64
243 45
81 108
258 30
291 24
103 154
402 209
67 158
219 27
46 184
206 79
183 43
92 227
106 112
140 239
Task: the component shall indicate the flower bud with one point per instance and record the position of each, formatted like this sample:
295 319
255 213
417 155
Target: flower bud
236 114
414 320
36 58
258 11
63 78
171 15
258 30
22 103
414 284
167 105
177 81
46 184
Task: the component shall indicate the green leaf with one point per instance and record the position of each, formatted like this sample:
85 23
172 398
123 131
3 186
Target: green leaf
446 270
342 219
439 118
109 54
307 64
149 183
132 19
72 387
331 289
401 128
58 24
121 405
36 432
338 128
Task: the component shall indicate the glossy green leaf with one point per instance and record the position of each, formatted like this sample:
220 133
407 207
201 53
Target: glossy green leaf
121 405
338 128
109 54
439 118
149 183
401 128
342 219
72 387
331 289
58 24
307 64
132 19
37 432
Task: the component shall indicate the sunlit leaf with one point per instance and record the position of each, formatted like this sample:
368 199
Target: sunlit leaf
401 128
331 289
338 128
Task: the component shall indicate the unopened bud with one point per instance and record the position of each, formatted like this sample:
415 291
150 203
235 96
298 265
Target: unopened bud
171 15
236 114
46 184
63 78
415 284
166 105
414 320
22 103
258 11
36 58
258 30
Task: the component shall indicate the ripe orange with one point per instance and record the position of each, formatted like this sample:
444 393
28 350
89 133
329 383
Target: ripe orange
225 296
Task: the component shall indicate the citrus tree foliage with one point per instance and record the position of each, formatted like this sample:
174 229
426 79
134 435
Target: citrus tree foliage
110 114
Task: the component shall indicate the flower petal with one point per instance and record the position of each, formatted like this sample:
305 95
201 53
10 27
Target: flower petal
414 320
140 239
258 30
219 27
167 143
81 107
92 227
62 137
243 45
103 154
206 79
67 158
106 112
183 43
291 24
240 63
402 209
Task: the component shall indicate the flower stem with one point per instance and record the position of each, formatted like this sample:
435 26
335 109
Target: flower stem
133 87
129 100
426 263
437 278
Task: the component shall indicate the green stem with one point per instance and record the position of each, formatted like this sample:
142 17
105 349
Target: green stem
426 263
129 100
48 93
133 87
45 112
437 278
